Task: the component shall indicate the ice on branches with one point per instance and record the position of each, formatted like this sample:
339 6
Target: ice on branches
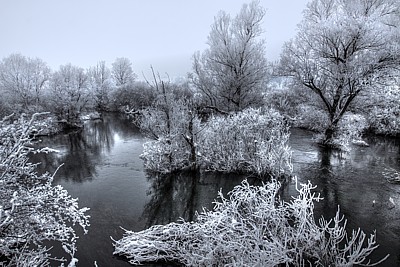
252 227
251 141
32 210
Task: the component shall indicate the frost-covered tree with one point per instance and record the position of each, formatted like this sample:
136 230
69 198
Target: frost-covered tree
343 47
173 123
100 84
231 73
23 80
68 94
33 211
122 71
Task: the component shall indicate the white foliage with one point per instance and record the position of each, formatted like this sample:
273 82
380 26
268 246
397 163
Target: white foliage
344 48
252 227
32 210
250 141
232 72
174 126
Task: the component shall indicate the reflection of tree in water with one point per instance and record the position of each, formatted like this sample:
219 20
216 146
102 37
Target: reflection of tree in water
385 150
322 173
181 195
99 136
80 151
326 183
173 197
79 159
123 125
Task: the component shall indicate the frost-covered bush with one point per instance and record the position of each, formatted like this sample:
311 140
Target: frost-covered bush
174 127
381 108
312 118
385 120
352 126
32 209
350 130
252 141
135 96
166 155
252 227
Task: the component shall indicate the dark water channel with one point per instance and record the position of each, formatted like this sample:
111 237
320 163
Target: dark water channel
102 168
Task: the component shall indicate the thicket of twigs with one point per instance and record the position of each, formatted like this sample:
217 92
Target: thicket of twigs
252 141
32 209
252 227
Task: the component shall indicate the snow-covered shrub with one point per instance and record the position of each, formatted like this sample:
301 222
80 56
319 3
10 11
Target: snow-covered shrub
350 129
286 100
312 118
166 155
174 127
252 227
136 96
381 107
352 126
385 120
32 210
252 141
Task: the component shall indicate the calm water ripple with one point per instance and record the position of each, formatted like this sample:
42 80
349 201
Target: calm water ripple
102 168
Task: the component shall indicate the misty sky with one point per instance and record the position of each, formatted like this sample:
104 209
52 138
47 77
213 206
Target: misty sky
162 33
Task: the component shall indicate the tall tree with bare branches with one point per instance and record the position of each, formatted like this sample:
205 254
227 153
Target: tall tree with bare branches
122 71
343 48
232 72
23 80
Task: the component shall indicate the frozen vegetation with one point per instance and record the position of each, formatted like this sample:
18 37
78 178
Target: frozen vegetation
33 211
253 227
252 141
339 76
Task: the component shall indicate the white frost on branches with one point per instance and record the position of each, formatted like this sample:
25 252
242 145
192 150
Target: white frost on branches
32 210
253 227
252 141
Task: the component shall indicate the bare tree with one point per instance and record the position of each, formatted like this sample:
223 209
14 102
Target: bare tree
343 47
99 78
232 72
122 71
69 93
22 79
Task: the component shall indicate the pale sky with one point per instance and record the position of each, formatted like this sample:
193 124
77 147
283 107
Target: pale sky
162 33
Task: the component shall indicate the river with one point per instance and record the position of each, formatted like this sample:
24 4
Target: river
103 169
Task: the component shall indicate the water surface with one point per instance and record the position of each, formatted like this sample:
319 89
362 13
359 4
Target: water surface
103 169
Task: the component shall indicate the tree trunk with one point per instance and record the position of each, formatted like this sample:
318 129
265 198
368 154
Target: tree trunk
330 132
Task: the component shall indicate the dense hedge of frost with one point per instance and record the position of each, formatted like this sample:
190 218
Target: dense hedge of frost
252 141
252 227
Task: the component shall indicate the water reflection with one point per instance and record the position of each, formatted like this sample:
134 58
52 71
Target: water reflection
172 197
82 151
103 169
354 181
181 195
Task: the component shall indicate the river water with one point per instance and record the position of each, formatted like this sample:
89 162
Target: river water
103 169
